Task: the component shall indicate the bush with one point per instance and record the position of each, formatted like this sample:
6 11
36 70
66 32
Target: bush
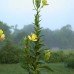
9 53
70 60
71 64
56 57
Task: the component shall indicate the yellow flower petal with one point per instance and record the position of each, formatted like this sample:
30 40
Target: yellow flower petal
2 37
1 32
29 37
33 37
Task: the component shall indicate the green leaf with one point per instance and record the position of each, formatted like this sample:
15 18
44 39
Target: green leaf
46 67
41 62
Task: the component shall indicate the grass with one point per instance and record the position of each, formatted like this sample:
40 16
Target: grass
59 68
65 51
11 69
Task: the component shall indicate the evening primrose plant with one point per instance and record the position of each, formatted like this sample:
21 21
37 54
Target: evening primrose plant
35 57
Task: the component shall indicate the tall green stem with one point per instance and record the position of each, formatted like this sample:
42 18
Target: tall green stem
37 43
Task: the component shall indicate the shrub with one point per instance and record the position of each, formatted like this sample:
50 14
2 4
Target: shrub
70 60
9 53
56 57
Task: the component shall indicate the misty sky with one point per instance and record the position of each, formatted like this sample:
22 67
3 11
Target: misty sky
59 13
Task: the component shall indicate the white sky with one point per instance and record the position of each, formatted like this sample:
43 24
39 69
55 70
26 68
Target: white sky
59 13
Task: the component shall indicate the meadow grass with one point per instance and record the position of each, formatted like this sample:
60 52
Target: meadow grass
59 68
65 51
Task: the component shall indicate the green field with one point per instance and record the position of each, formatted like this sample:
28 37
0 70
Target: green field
59 68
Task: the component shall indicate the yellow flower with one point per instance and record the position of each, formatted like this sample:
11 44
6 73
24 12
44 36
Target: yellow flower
47 55
33 37
2 36
1 32
44 2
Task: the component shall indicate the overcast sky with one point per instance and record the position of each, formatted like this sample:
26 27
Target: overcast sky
59 13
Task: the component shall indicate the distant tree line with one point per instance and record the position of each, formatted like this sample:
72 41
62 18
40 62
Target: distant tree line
61 38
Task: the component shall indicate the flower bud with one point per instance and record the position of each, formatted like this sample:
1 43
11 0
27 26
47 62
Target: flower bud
47 55
44 2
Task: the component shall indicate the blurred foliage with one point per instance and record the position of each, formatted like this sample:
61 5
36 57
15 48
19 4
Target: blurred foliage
70 60
9 53
57 57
